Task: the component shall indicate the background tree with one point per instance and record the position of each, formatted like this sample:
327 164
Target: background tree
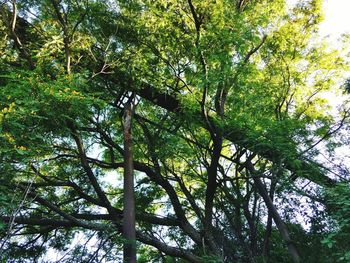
231 121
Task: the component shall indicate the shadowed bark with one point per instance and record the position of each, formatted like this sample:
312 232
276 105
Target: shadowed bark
129 196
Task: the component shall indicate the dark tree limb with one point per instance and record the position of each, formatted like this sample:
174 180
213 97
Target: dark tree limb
129 231
85 164
168 250
308 170
274 213
146 239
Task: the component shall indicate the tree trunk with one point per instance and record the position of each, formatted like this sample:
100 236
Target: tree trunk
129 197
274 213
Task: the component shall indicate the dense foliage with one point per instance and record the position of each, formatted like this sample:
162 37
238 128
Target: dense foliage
234 132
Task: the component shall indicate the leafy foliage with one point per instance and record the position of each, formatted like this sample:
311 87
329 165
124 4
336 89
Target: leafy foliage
232 118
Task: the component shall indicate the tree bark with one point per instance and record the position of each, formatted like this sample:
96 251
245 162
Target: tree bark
308 169
129 231
274 213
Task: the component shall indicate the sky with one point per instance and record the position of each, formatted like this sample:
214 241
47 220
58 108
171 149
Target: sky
337 18
336 23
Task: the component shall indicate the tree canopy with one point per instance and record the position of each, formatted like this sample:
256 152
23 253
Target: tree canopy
234 135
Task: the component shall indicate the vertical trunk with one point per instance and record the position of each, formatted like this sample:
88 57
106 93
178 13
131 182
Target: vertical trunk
210 194
274 213
266 246
129 198
252 230
278 220
67 52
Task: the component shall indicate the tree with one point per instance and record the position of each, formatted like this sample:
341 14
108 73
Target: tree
230 120
129 230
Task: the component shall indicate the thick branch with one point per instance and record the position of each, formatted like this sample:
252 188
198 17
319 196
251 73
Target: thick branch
168 250
237 135
274 213
129 231
85 164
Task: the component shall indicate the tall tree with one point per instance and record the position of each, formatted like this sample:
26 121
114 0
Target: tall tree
230 133
129 196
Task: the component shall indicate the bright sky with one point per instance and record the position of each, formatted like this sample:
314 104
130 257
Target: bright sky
337 17
336 23
337 20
